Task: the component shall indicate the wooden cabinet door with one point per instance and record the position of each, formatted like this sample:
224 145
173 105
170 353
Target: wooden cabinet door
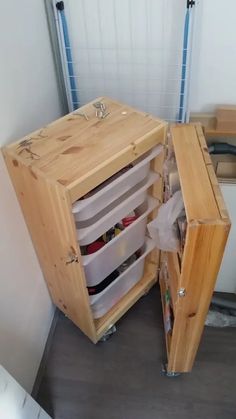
187 280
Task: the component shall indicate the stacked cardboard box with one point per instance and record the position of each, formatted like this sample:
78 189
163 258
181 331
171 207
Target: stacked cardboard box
226 118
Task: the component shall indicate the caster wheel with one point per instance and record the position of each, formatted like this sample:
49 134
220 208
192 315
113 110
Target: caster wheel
108 334
168 374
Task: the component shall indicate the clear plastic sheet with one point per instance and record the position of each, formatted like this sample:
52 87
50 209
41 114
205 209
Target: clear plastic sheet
163 229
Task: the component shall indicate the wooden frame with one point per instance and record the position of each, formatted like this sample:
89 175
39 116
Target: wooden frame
191 282
48 179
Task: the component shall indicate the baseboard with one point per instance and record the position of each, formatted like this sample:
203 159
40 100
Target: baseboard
43 362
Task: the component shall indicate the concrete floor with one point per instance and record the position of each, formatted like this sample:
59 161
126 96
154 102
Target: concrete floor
120 379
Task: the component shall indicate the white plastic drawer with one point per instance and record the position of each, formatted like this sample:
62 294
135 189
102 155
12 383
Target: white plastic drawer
99 265
113 188
88 231
102 302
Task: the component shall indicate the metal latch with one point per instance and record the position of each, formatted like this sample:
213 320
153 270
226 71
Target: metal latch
182 292
101 110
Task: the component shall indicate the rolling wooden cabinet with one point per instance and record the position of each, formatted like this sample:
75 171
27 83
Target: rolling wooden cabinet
56 166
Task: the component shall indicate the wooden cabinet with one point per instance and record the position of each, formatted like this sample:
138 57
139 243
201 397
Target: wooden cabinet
191 277
55 167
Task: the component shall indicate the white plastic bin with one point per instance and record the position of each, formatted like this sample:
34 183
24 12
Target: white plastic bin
100 264
88 231
113 188
102 302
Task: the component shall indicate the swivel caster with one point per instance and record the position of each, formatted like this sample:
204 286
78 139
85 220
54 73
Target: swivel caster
169 374
108 333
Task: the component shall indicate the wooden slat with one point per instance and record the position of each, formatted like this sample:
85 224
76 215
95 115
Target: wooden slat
47 210
212 176
148 280
218 194
163 289
80 153
174 277
156 190
203 144
114 163
202 257
196 188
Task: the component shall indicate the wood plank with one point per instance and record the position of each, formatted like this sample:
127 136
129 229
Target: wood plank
103 324
195 184
47 210
202 258
212 176
174 277
163 289
203 144
218 195
114 163
156 191
73 148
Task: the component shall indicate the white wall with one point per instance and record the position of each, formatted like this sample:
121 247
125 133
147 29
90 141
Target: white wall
214 59
28 100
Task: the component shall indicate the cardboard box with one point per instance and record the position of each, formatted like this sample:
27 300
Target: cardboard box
226 118
225 167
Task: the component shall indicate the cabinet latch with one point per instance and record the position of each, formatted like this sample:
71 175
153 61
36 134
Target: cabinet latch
182 292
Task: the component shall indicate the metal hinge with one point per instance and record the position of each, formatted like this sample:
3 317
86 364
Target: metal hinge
182 292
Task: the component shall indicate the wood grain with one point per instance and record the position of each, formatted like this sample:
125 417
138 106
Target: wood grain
47 211
56 165
174 277
81 154
196 187
212 175
207 231
202 257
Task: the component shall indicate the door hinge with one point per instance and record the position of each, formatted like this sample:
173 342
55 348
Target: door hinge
182 292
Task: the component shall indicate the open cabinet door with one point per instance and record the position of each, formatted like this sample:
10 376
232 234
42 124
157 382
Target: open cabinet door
187 276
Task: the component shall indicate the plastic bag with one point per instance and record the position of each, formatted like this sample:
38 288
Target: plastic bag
163 230
217 319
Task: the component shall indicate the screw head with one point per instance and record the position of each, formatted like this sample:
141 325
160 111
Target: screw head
182 292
